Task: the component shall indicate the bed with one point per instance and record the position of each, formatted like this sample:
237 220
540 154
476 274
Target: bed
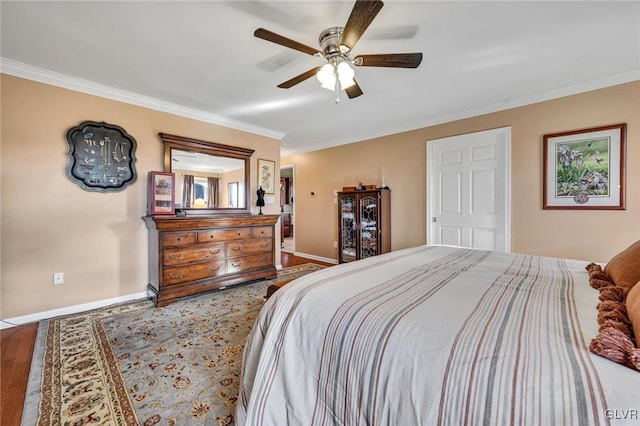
435 335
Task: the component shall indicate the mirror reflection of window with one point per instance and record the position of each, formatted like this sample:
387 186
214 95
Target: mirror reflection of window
211 175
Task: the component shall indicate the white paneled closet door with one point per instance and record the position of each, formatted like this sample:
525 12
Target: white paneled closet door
468 190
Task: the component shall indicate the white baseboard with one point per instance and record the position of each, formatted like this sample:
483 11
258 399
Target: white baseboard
314 257
26 319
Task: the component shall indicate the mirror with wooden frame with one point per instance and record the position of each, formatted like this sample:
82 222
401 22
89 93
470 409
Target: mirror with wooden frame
203 172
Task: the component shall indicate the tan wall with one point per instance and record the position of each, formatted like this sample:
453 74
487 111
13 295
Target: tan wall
589 235
49 224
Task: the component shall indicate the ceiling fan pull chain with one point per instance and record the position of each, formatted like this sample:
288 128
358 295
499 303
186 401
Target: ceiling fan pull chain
337 90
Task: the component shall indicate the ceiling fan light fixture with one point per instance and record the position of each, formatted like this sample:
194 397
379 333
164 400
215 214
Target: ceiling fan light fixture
345 75
326 77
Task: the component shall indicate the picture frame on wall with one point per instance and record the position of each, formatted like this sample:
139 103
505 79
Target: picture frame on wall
161 196
100 157
267 175
585 169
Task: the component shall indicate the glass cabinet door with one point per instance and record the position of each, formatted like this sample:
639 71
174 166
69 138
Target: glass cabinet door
348 228
368 217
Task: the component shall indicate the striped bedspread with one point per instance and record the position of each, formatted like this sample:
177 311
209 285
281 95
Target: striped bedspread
434 335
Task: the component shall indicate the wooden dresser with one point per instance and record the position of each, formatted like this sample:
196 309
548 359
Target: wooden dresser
194 254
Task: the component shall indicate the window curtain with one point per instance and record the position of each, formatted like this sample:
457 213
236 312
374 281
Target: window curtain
213 198
187 191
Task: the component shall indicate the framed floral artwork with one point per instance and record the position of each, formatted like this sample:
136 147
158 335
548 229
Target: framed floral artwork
585 169
267 175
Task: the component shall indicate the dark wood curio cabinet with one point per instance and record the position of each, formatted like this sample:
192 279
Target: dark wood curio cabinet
364 224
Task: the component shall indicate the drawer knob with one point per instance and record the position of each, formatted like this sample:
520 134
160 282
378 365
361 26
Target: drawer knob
211 236
263 245
176 257
239 234
176 276
235 265
214 251
212 269
236 248
179 239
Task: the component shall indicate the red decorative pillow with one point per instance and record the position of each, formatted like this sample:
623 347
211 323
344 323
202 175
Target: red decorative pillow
624 267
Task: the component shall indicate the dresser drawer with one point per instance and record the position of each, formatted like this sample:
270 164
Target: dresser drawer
198 253
178 238
176 225
198 271
224 235
262 232
240 248
249 262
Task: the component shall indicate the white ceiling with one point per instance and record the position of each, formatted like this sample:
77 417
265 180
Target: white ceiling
200 59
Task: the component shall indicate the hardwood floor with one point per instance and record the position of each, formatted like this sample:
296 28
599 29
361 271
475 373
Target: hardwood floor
289 259
16 351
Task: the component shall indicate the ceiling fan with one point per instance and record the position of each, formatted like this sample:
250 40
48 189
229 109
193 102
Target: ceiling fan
336 44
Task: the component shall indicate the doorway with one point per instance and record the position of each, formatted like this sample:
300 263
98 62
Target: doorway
469 190
287 208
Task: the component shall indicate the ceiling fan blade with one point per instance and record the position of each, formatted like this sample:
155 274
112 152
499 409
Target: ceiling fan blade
363 13
299 78
353 91
396 60
283 41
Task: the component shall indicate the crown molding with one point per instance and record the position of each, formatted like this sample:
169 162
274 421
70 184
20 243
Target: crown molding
571 88
42 75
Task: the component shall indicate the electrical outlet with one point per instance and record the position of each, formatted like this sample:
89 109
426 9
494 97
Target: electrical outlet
335 244
58 278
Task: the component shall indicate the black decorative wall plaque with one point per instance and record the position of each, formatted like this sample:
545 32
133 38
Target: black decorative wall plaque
101 157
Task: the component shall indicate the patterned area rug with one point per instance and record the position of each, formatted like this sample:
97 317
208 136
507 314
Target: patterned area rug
134 364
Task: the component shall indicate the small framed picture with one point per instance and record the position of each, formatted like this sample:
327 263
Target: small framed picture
161 199
267 175
585 169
